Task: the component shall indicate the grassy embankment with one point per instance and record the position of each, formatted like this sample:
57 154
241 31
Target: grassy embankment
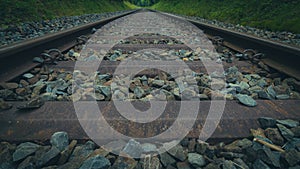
275 15
130 5
13 12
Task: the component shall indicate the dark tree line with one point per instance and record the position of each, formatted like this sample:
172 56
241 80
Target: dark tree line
143 2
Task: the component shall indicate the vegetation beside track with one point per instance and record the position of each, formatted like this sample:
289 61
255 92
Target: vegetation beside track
131 5
143 2
13 12
275 15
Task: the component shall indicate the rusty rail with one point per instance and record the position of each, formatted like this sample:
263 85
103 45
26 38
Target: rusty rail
40 124
16 57
280 56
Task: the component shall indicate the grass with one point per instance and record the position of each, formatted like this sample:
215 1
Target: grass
13 12
275 15
130 5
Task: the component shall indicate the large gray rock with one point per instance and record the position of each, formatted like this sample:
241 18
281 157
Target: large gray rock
263 95
288 123
178 152
148 148
266 122
269 157
105 90
24 150
64 155
285 132
167 159
244 85
255 89
158 83
97 162
271 91
133 149
49 158
60 140
189 94
36 161
139 92
233 147
196 160
246 100
82 151
282 97
115 146
262 83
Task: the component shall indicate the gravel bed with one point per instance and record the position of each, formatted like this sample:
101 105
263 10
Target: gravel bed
243 85
29 30
159 39
275 145
284 36
56 84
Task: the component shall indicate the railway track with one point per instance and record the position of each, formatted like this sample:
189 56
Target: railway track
147 37
274 50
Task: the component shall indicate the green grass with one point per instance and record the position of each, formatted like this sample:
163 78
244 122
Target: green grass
13 12
275 15
130 5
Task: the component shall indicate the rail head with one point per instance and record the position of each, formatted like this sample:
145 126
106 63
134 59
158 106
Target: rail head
13 56
14 48
280 56
275 44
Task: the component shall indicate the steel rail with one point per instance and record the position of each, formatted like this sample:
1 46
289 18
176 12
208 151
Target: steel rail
16 57
40 124
282 57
